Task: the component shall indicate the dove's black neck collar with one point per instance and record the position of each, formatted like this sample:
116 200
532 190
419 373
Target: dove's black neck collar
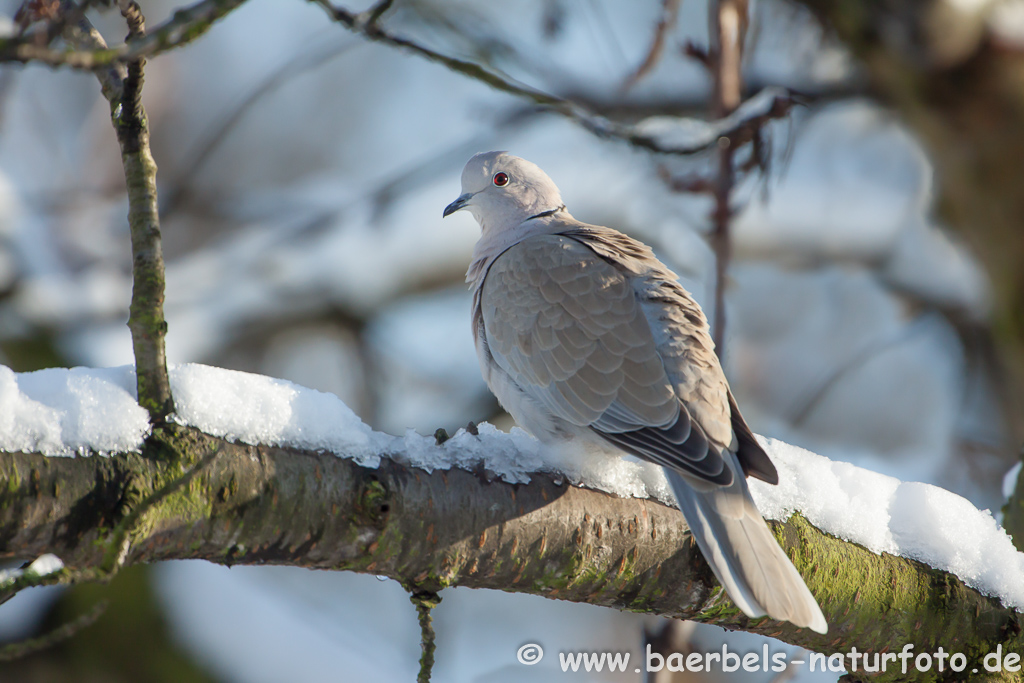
549 212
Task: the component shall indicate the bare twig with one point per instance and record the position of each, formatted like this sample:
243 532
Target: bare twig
723 60
693 183
77 31
425 602
728 28
721 242
667 20
45 570
146 312
698 53
373 31
372 15
675 636
183 27
1013 510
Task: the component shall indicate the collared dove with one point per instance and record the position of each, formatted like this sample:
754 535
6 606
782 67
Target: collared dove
584 335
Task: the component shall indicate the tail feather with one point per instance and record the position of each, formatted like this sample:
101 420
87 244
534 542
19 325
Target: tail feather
743 553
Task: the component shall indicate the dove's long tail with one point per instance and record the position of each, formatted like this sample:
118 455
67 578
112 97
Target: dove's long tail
743 553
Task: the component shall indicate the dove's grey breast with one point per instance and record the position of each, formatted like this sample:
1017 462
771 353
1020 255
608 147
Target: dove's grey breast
567 325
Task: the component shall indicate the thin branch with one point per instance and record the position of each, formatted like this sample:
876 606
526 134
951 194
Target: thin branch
728 32
77 30
1013 511
425 602
723 60
357 23
146 312
729 25
182 28
372 15
45 570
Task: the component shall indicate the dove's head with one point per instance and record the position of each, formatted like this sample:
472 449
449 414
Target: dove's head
502 191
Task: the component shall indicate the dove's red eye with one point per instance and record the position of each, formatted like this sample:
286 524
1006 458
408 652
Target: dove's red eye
500 179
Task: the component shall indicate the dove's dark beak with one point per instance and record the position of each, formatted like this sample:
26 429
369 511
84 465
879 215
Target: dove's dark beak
459 203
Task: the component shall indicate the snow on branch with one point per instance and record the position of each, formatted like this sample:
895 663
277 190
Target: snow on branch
484 511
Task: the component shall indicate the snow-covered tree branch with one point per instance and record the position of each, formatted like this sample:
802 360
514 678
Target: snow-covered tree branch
272 505
484 510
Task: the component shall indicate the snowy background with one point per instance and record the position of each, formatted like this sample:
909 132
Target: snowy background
302 177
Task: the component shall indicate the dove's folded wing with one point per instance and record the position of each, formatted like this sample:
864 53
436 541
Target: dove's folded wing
567 326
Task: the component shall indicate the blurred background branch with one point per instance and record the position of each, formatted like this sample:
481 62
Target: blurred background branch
676 140
953 73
